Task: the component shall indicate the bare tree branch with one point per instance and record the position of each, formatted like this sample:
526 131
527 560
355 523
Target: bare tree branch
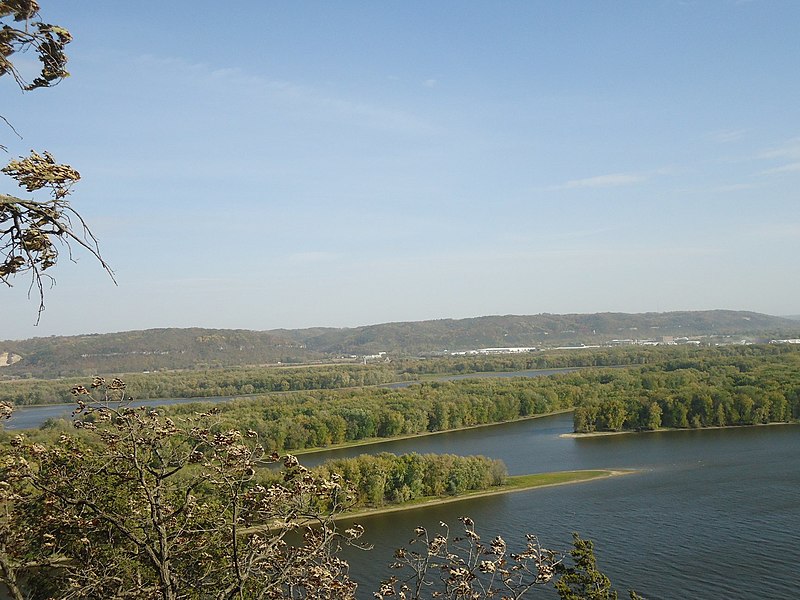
31 231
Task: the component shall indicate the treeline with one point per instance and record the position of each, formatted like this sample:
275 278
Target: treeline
259 380
238 381
561 359
751 385
322 418
206 384
693 388
389 479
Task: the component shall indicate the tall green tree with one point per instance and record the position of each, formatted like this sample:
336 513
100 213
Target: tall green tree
583 580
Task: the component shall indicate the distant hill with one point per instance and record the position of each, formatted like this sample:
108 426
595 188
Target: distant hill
149 350
196 348
536 330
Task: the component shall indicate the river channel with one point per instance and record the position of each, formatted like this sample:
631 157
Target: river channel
712 514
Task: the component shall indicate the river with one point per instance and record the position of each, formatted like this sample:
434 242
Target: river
713 514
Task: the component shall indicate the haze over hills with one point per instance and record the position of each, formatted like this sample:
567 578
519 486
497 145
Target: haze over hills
452 335
197 348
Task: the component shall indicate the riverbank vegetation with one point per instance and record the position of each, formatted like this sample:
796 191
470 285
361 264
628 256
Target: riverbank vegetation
513 483
684 387
322 418
132 503
389 479
732 385
210 383
755 385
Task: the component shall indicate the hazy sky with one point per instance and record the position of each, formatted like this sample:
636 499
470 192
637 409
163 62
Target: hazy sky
260 164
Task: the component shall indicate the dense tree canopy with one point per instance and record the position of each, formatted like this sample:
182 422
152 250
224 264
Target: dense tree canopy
386 478
756 385
210 383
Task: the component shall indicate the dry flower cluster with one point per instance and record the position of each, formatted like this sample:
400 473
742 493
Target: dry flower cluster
138 506
31 231
466 568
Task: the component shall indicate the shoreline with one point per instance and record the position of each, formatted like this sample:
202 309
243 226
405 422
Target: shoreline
597 474
410 436
593 434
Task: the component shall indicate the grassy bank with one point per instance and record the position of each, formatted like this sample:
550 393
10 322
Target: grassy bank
516 483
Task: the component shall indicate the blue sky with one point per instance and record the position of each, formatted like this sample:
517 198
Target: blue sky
291 164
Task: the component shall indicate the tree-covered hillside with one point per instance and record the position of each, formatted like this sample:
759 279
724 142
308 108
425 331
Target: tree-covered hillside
150 350
543 330
159 349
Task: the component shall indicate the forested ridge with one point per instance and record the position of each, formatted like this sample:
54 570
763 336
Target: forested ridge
204 349
149 350
545 330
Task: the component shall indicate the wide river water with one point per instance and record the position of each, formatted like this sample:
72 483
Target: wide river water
713 514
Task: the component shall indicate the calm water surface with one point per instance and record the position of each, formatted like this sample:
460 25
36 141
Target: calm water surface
713 514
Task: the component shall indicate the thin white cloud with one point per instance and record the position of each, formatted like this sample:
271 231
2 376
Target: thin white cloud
726 136
790 168
315 103
734 187
313 257
775 231
787 152
789 149
429 83
602 181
